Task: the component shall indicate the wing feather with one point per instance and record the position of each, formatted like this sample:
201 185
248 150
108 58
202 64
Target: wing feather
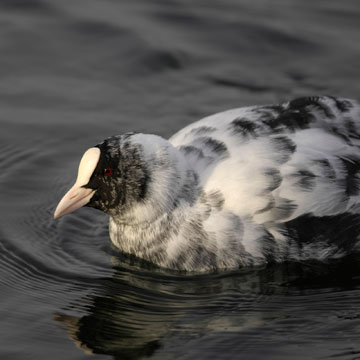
274 163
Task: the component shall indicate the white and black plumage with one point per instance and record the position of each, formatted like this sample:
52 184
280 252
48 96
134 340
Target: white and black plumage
239 188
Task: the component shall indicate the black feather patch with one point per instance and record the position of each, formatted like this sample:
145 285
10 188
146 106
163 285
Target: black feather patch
352 166
328 170
280 209
342 105
214 146
341 230
304 101
268 207
351 128
289 119
283 209
192 150
243 127
316 101
305 180
284 147
297 115
274 179
300 114
294 119
268 115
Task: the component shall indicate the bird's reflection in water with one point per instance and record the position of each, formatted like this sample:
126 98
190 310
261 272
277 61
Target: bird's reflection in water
141 308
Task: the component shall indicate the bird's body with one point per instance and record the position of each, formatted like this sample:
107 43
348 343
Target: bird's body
239 188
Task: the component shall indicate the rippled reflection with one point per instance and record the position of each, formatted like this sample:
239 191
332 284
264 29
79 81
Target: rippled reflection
139 312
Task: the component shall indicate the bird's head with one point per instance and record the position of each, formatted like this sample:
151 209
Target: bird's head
132 177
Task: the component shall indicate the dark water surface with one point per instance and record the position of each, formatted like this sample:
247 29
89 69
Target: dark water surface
73 72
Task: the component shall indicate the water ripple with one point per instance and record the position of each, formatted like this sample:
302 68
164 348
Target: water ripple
76 71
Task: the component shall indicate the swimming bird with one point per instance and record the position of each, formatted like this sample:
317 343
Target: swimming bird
243 187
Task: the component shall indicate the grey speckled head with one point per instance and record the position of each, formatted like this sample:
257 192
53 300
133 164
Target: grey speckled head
121 177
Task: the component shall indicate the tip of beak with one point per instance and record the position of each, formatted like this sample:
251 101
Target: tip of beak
75 198
58 213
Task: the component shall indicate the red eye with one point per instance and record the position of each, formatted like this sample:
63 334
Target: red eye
108 172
